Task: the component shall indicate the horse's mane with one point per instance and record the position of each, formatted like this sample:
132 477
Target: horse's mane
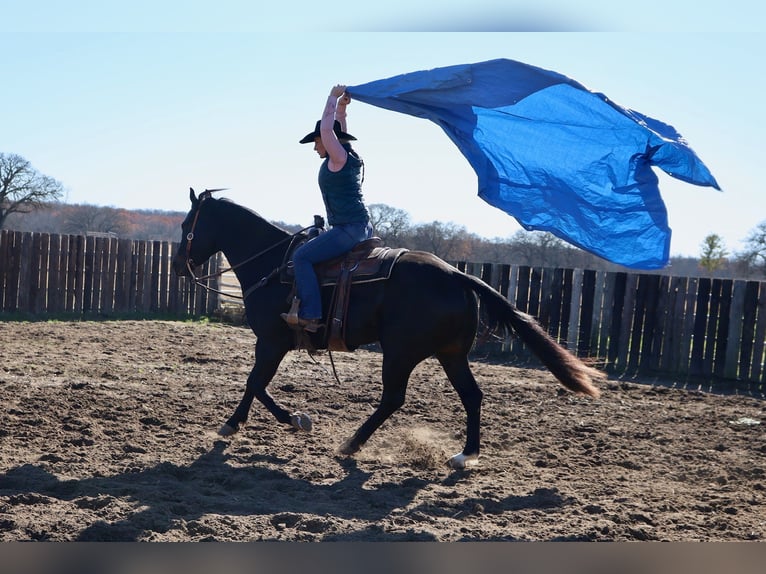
246 213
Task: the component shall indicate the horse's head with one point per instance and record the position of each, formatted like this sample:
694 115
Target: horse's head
198 236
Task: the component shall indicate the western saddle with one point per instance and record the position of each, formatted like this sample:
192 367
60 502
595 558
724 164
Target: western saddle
368 261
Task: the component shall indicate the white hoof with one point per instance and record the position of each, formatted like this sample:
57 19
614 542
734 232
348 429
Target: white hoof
301 421
226 430
461 461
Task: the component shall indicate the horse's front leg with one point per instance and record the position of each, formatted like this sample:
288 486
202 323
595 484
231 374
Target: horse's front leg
267 359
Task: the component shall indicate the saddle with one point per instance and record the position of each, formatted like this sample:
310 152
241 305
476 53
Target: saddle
367 261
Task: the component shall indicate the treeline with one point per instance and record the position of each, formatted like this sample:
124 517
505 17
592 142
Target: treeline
82 219
454 243
449 241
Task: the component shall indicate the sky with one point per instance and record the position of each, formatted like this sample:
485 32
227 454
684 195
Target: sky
129 106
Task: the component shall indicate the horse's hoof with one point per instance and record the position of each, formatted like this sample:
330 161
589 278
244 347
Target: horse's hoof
227 430
301 421
347 448
461 461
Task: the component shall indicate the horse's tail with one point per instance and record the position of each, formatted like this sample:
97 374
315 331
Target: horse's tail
565 366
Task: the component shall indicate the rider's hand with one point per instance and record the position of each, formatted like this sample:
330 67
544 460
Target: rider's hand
338 90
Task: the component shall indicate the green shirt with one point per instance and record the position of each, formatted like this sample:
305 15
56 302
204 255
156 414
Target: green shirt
342 191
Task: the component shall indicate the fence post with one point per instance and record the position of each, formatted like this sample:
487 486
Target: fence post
214 298
25 279
759 339
9 269
734 335
700 323
586 312
573 336
606 318
626 320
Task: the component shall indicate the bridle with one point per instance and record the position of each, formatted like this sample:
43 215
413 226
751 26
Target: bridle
190 262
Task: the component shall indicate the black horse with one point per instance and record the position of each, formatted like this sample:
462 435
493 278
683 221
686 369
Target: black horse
425 308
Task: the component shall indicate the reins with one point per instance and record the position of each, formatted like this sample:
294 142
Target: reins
199 280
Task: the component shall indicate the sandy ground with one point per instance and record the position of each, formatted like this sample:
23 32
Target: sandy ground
108 432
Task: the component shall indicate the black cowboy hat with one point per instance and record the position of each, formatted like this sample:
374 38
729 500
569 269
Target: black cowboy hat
308 138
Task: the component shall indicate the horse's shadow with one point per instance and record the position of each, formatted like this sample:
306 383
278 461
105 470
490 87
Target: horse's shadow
167 493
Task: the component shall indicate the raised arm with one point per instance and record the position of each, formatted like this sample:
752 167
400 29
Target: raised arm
340 111
336 153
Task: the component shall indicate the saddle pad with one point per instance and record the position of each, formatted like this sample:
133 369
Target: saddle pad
376 266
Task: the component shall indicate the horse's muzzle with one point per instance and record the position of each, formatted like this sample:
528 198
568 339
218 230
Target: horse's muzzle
180 266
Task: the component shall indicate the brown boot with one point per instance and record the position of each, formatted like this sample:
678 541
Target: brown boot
291 317
295 322
310 325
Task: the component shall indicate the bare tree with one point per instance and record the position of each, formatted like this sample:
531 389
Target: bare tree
446 240
22 187
540 248
390 223
84 218
754 254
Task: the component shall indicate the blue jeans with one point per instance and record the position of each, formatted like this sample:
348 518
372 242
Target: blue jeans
332 243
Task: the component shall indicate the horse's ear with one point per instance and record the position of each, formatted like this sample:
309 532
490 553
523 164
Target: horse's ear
192 196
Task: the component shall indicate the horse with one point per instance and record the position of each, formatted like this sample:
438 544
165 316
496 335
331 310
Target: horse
425 308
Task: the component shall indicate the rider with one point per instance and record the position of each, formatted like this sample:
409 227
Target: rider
340 181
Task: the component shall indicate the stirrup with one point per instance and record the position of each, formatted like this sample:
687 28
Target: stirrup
296 322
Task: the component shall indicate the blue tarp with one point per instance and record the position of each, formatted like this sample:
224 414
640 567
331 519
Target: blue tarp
553 154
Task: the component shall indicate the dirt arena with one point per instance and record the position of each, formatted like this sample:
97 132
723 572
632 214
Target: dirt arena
108 433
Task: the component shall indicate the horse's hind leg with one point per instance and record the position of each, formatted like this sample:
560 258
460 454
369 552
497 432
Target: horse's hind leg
459 373
396 373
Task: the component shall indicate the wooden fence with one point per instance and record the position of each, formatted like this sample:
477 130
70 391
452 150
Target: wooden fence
43 273
694 329
690 328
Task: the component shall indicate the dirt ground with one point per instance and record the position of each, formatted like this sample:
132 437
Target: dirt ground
108 433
